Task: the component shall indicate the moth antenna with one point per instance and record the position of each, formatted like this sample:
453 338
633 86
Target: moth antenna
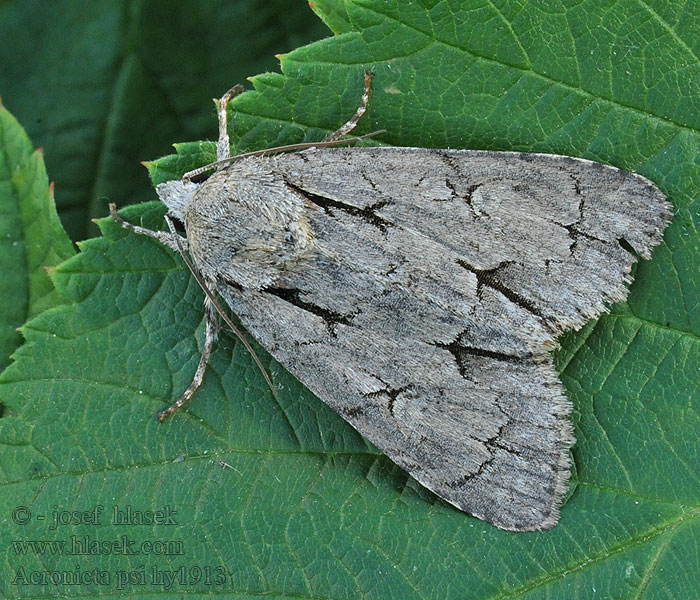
223 146
277 150
350 125
213 307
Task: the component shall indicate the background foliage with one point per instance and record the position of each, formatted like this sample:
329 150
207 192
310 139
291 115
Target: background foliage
303 507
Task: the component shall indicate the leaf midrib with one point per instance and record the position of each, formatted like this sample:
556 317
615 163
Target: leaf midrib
266 452
667 527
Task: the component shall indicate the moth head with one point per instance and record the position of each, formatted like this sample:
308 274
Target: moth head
176 195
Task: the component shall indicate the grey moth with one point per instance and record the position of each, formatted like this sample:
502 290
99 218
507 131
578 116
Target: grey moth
419 293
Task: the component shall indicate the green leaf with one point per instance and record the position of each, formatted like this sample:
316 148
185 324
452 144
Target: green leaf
303 506
334 14
31 236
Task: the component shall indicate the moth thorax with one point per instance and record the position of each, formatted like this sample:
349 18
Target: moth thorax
243 237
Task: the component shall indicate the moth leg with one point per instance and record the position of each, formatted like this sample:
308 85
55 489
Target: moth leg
223 146
209 337
350 125
162 236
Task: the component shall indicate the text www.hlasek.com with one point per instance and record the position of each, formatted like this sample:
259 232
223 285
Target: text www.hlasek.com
86 546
